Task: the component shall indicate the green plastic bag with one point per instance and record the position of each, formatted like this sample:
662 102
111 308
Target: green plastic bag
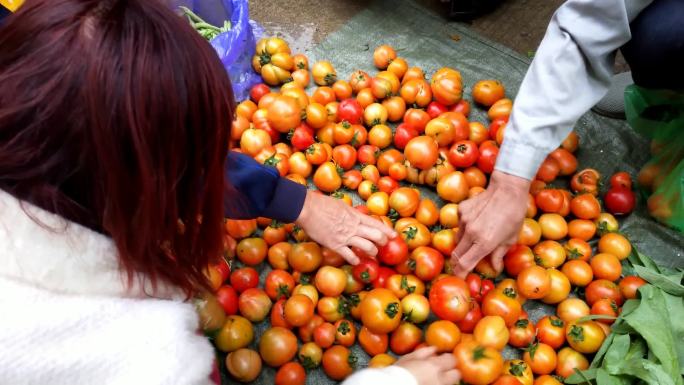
659 115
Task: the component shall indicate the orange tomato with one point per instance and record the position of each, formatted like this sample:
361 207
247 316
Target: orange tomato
560 287
444 335
488 92
359 80
606 266
500 109
327 177
380 311
398 66
323 73
453 187
416 91
383 56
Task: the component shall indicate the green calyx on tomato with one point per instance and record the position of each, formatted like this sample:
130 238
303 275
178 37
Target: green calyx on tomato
517 369
479 353
510 292
275 224
393 215
557 322
271 161
577 333
307 363
412 264
304 279
532 349
392 309
330 79
405 285
344 328
365 277
340 170
410 232
574 254
522 323
283 290
337 194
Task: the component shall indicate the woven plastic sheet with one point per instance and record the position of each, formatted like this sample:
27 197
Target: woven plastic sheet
427 40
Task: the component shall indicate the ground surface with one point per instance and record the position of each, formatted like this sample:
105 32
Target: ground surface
517 24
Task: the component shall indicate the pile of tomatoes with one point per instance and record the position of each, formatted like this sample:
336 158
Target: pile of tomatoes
318 306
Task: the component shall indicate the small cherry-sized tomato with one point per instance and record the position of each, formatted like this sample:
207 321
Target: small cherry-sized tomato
228 298
518 258
463 154
345 334
487 158
254 304
605 307
298 310
620 200
350 110
383 56
324 335
330 281
428 261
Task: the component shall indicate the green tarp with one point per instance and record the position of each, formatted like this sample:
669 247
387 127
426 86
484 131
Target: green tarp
427 40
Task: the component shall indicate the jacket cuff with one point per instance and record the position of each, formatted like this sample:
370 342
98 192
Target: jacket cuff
287 201
520 159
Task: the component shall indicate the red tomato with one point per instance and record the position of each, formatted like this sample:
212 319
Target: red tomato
368 154
373 343
487 158
518 258
279 284
338 362
258 91
366 271
602 288
350 110
291 373
478 287
383 275
394 252
254 304
621 179
302 137
463 154
449 298
620 200
228 298
403 135
244 278
474 315
496 125
416 119
629 286
434 109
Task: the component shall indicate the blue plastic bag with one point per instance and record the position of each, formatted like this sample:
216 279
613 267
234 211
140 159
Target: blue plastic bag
235 48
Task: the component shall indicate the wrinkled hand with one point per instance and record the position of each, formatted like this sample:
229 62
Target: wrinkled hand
490 223
429 368
337 226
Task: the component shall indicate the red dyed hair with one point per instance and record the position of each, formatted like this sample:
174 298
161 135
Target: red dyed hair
115 114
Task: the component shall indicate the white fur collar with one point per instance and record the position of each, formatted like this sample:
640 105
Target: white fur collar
55 254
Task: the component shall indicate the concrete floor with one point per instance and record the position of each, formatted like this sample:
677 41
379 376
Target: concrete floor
517 24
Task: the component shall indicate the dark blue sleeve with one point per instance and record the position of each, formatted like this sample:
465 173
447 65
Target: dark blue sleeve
4 12
261 191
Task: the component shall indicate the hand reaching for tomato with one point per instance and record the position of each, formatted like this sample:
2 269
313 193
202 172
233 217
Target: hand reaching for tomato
490 222
429 368
337 226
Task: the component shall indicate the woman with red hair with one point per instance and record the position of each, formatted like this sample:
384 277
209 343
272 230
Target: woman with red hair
114 181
